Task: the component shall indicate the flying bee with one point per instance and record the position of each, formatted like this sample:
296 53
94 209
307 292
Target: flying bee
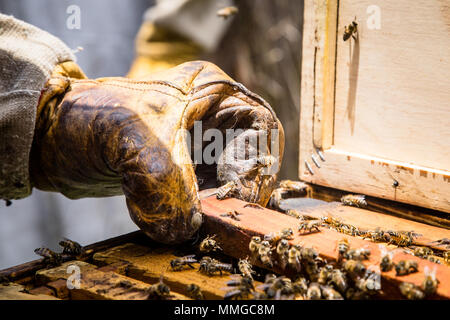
338 280
264 253
342 247
71 247
300 286
405 267
350 30
295 186
159 290
194 291
330 294
358 254
225 190
209 244
227 12
422 252
233 214
178 264
411 291
386 263
325 274
430 283
294 258
354 200
313 292
50 257
309 226
273 238
354 268
245 268
282 251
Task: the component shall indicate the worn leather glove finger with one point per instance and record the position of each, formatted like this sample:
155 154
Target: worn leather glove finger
110 136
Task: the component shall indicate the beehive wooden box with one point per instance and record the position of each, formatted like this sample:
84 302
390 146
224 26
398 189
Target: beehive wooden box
375 111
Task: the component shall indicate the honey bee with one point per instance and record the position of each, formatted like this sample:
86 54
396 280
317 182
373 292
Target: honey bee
50 257
342 247
296 186
358 254
386 263
254 245
178 264
209 244
370 284
411 291
238 292
446 256
331 221
405 267
273 238
71 247
376 235
294 257
211 266
325 274
443 242
402 238
354 200
434 259
430 283
309 226
194 291
245 268
338 280
264 253
314 292
266 161
300 286
354 268
330 294
308 254
282 251
276 197
227 12
276 287
233 214
239 280
422 252
350 31
312 269
254 205
159 291
225 190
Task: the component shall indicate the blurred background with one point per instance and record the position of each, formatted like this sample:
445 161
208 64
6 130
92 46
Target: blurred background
259 46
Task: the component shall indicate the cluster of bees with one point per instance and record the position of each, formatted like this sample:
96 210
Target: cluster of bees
70 248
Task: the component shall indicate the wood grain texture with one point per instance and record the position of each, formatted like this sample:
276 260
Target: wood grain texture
14 291
235 237
391 118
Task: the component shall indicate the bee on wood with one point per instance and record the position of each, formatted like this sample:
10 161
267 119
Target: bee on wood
296 186
314 292
238 292
282 251
159 291
254 245
273 238
358 254
443 242
354 200
422 252
209 244
411 291
239 281
295 214
71 247
300 286
405 267
310 226
446 257
227 12
178 264
294 258
370 284
245 268
338 280
331 221
276 287
386 263
342 247
402 238
376 235
312 270
225 190
354 268
264 254
430 283
194 291
330 294
325 274
50 257
309 254
433 259
233 214
211 266
350 31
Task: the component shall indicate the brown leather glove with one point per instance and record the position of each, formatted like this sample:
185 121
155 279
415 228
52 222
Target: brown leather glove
113 136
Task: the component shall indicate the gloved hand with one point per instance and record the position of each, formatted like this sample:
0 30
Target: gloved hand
113 136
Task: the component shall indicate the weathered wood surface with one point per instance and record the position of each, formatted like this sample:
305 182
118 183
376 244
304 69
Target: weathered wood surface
377 139
13 291
234 237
